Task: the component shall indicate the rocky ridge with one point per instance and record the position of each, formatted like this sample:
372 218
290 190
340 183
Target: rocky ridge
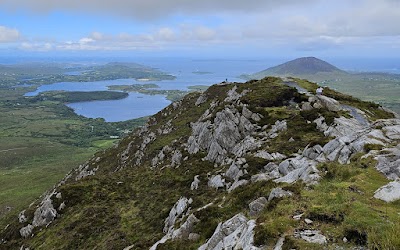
234 143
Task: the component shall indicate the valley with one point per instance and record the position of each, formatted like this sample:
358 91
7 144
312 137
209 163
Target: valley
41 139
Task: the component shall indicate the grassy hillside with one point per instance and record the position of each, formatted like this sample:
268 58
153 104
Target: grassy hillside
125 203
40 138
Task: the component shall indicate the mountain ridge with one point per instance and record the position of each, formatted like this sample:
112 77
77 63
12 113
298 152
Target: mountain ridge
240 165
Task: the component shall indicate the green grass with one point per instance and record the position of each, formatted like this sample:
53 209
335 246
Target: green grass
298 128
365 104
32 168
341 205
104 144
78 96
268 92
115 209
378 88
41 140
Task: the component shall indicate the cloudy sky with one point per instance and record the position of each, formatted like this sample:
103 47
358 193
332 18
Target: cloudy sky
206 27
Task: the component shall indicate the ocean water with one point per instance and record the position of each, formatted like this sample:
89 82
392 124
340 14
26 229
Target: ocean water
139 105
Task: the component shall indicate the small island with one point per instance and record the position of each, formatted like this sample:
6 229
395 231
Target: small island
133 87
202 72
78 96
152 89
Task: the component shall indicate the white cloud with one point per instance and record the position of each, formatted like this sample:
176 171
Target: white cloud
166 34
196 33
371 18
30 46
304 24
86 40
184 34
97 36
8 35
150 9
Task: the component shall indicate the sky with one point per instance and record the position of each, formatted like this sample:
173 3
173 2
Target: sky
359 28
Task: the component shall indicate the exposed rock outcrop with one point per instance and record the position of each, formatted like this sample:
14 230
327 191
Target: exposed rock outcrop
276 128
389 162
257 206
237 184
166 128
279 244
176 158
229 133
176 211
352 137
270 157
298 168
232 95
341 127
44 215
234 172
26 231
389 192
85 171
235 233
21 217
216 182
183 232
202 99
312 236
279 193
321 101
195 184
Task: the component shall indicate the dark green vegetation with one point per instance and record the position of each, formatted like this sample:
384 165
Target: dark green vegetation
200 88
382 88
126 204
76 96
41 139
134 87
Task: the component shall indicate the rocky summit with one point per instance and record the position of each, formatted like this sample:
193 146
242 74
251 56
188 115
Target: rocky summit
258 165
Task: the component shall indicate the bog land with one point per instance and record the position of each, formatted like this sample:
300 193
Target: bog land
41 139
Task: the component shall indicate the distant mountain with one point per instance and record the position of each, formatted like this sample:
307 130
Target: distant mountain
299 67
377 87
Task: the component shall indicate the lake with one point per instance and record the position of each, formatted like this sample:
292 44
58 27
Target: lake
138 105
134 106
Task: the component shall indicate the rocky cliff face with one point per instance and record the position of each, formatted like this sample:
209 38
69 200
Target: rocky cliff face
241 166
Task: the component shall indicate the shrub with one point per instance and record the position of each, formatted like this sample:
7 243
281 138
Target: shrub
369 147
